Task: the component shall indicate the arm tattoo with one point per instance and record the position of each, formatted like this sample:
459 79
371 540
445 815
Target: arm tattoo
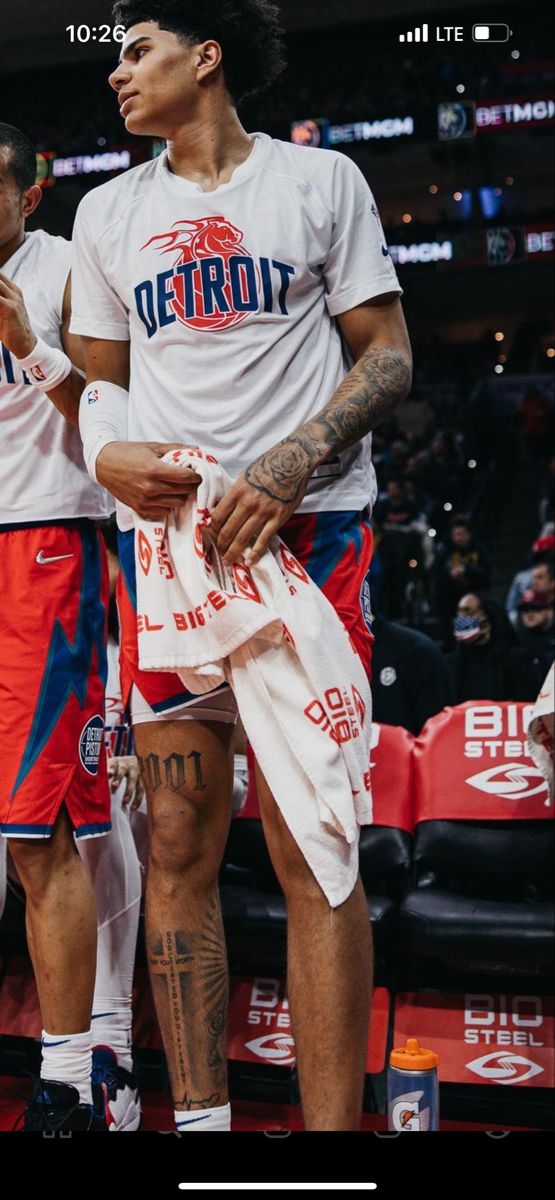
367 395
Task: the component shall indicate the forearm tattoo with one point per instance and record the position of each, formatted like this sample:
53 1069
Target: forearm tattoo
376 384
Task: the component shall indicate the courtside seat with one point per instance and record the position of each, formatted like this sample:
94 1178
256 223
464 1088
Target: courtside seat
483 854
252 902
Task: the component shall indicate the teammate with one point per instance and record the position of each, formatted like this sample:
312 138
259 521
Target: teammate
223 293
52 633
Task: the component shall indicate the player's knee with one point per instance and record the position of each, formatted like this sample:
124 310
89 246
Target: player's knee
38 864
183 841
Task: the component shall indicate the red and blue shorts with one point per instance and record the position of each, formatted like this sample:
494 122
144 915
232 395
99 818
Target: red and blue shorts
335 548
52 679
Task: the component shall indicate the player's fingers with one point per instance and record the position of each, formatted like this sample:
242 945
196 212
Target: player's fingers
174 476
237 535
139 793
254 554
242 546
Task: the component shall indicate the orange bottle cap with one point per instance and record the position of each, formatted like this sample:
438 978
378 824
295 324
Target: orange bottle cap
413 1057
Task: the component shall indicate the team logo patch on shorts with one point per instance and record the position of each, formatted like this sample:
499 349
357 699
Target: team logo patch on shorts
90 744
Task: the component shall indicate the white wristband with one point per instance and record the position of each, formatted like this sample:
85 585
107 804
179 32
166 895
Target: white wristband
102 419
47 366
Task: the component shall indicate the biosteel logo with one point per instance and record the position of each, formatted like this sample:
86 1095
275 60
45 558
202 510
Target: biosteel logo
504 1021
269 1008
491 731
274 1047
513 780
504 1067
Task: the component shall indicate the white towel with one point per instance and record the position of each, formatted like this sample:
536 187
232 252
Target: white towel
540 731
301 689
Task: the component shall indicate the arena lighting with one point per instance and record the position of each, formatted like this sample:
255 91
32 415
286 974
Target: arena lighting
432 533
407 218
87 164
460 88
498 191
515 53
551 352
509 180
413 563
500 337
422 252
502 358
101 141
472 464
277 1187
498 368
448 507
433 188
457 196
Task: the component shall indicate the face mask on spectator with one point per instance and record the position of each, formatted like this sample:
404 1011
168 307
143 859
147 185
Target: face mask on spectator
468 629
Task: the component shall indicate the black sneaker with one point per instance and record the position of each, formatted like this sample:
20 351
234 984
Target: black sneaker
56 1107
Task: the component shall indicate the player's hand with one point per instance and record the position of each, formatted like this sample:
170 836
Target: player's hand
260 501
15 327
134 474
127 768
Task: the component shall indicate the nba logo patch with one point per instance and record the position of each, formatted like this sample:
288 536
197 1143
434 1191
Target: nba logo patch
90 745
92 396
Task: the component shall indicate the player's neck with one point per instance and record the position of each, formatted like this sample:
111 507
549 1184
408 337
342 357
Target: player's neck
210 148
10 247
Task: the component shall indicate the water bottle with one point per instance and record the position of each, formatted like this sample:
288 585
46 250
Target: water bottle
413 1089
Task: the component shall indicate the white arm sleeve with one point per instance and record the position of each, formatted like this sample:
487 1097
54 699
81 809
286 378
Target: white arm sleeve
102 419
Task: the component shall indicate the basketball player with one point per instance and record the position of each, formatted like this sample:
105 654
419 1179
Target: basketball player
54 786
224 292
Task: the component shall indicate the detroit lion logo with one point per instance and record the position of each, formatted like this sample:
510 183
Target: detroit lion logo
216 280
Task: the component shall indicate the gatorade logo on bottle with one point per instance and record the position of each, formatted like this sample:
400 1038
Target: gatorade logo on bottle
405 1114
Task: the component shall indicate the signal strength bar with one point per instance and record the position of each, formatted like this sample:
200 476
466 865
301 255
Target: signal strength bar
420 34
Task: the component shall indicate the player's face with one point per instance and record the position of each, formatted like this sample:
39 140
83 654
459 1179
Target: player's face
155 80
10 201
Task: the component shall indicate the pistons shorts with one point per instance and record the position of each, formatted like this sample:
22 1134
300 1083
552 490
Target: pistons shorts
52 679
335 548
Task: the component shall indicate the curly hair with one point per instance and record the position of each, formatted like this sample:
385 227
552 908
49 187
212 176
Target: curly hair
248 31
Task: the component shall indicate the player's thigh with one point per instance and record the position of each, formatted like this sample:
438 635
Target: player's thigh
187 769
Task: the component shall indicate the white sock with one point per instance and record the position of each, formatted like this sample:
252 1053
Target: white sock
67 1058
111 1026
213 1120
113 867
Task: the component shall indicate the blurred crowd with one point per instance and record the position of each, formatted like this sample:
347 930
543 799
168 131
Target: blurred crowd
445 630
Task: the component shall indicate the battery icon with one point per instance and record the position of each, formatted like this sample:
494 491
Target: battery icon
491 33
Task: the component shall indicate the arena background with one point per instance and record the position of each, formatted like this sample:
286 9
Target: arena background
456 140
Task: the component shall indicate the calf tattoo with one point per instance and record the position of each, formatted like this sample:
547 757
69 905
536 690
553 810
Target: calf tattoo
190 982
368 394
171 772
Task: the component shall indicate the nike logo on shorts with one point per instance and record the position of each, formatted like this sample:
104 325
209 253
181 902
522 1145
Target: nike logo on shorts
42 560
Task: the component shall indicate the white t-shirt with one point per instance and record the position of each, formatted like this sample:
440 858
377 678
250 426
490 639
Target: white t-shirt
42 473
229 297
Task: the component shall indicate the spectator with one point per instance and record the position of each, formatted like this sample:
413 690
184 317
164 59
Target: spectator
488 662
461 565
536 626
397 518
410 679
539 577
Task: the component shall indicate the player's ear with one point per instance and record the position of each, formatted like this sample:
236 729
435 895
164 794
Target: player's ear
30 200
208 57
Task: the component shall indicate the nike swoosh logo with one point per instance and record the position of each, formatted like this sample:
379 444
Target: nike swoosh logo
48 1045
42 560
193 1121
385 252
